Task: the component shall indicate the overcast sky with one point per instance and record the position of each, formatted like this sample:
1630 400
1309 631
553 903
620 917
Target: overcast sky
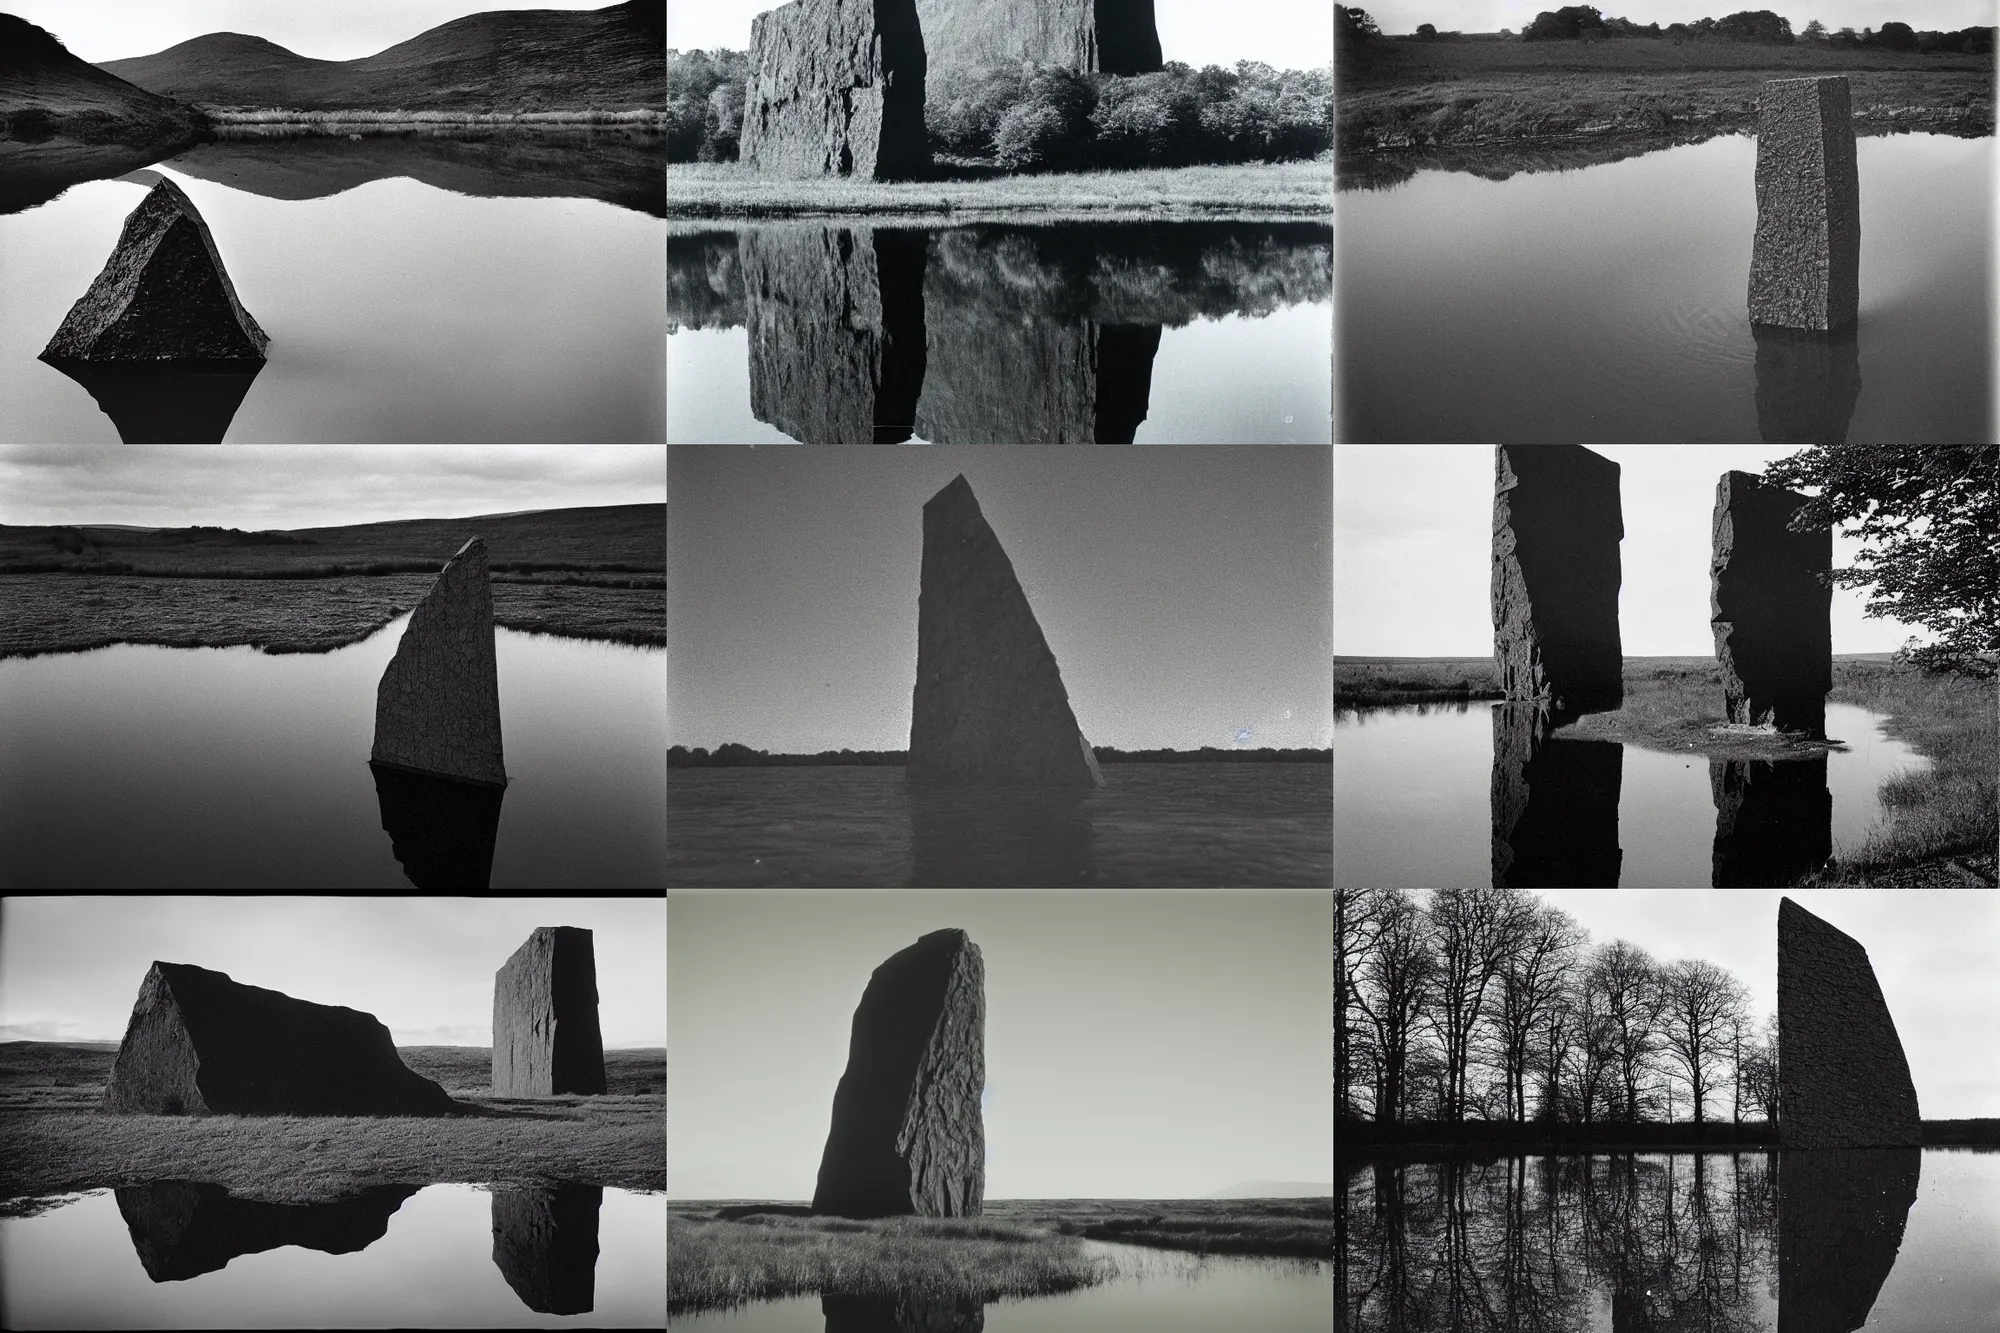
1936 954
1183 591
1394 16
1288 34
70 967
1413 550
1138 1044
310 485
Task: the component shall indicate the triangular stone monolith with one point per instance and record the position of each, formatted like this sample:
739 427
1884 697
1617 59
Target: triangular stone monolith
437 709
163 295
989 705
546 1040
1843 1080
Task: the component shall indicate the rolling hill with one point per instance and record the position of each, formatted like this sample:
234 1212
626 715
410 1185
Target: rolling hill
45 92
506 60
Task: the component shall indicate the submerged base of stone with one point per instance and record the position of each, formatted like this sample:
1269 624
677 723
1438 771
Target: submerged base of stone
165 402
442 830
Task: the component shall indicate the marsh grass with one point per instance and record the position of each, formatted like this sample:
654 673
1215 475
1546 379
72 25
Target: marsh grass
1368 682
389 121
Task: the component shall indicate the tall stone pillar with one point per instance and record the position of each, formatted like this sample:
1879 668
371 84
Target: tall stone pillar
1805 266
1843 1081
1556 529
1091 36
1771 616
837 89
437 706
546 1038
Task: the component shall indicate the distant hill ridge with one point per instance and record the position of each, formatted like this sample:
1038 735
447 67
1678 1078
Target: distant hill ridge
505 60
45 92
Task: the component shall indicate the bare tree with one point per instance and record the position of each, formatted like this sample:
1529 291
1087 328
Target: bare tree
1353 933
1627 979
1396 979
1475 930
1760 1071
1698 1000
1531 981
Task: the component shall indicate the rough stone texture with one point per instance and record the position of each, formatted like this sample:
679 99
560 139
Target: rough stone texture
1773 821
1556 529
1096 36
201 1044
1805 266
545 1035
836 88
1771 616
989 705
907 1136
1843 1081
905 1312
182 1229
169 402
441 830
1807 384
545 1244
1555 804
163 295
437 708
1840 1223
837 344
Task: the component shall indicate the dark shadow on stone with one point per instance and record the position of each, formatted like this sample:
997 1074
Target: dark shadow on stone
1773 821
441 831
1807 384
545 1244
168 402
906 1312
1770 611
1124 366
1555 804
1841 1215
1000 837
183 1229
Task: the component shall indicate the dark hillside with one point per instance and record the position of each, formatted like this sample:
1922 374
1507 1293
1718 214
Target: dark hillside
45 93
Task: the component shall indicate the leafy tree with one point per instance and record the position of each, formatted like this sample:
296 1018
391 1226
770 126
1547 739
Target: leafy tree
1051 127
1815 31
1754 25
1427 31
1353 27
1929 518
1896 37
1565 24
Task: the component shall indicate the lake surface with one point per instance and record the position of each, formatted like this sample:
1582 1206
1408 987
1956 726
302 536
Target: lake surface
1901 1239
1113 333
1427 796
1611 304
1155 1290
1150 826
180 1255
139 766
416 290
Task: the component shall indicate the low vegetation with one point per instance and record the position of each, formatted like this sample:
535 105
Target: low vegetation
1269 1228
1377 682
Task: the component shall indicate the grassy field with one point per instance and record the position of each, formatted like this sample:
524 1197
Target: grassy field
53 1140
1261 191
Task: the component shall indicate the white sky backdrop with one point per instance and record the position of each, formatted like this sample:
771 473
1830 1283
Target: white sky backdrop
70 967
1403 16
1413 548
1936 954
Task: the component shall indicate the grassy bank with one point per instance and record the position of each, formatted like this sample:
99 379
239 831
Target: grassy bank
1261 191
1379 682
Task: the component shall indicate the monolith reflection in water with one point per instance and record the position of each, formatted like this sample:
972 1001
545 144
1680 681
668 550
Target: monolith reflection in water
437 708
907 1136
1807 384
1773 821
182 1229
442 831
905 1312
1555 804
989 705
545 1244
1843 1079
1841 1214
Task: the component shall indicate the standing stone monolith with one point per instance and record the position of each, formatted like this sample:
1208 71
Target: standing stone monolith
1805 265
836 89
1843 1080
163 295
1089 36
199 1043
437 708
1556 529
989 705
907 1136
1771 615
545 1035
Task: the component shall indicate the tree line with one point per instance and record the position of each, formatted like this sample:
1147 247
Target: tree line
1354 27
1492 1004
733 754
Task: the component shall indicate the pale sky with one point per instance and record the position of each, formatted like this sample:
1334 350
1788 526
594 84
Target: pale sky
1162 1045
1403 16
1936 955
70 967
1413 549
1287 34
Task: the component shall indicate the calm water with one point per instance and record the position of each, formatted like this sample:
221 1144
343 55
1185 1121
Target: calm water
1417 804
177 1255
1215 333
1150 825
414 290
1901 1239
1155 1290
138 766
1610 304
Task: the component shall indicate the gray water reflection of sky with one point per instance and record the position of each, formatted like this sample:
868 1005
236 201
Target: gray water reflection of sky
75 1267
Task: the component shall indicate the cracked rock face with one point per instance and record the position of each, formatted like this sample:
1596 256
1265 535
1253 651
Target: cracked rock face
1806 263
1556 529
1094 36
201 1044
163 295
546 1038
1843 1081
989 705
837 89
907 1135
1771 616
437 708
